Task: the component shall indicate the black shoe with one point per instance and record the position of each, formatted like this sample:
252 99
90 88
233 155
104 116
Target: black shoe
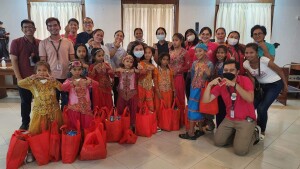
257 135
199 133
24 127
187 136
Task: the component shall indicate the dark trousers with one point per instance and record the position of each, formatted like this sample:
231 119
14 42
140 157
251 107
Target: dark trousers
63 96
270 93
222 111
187 79
115 90
26 99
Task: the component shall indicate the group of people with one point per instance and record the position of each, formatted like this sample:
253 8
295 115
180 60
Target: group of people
82 72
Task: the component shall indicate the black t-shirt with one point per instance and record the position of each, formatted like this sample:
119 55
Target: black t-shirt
83 38
162 48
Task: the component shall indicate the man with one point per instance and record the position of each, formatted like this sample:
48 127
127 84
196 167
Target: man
57 51
23 53
71 30
238 96
88 26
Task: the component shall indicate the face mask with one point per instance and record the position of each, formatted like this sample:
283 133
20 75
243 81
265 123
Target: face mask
138 54
191 38
232 41
220 40
43 81
229 76
160 37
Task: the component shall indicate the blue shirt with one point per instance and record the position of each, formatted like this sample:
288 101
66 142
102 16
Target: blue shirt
270 48
83 38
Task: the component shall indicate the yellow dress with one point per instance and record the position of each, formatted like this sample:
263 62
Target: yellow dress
45 106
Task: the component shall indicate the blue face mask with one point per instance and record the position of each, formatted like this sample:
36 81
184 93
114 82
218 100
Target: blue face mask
138 54
160 37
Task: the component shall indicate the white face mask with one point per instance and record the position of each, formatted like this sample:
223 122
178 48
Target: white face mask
43 81
160 37
232 41
191 38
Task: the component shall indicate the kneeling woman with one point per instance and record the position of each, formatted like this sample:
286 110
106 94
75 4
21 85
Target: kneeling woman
271 79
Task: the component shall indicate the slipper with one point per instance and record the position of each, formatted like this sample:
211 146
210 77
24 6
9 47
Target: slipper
187 136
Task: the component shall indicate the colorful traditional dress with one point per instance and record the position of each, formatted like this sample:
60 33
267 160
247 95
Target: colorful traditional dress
179 64
164 84
238 56
199 78
128 94
145 86
45 106
79 104
102 76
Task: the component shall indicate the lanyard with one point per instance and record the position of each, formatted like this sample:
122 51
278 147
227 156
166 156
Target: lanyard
232 99
56 50
33 46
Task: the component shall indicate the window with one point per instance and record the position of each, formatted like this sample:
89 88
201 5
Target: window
40 10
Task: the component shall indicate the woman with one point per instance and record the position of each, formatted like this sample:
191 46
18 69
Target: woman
191 40
258 33
236 50
137 51
162 46
220 36
116 53
138 35
271 79
97 42
205 35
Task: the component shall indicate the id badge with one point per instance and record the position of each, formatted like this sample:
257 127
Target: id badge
232 113
31 62
58 66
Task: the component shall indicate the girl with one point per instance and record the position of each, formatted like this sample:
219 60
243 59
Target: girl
97 42
163 83
45 105
145 81
81 53
179 63
99 71
221 53
270 77
79 105
201 70
204 36
236 50
127 88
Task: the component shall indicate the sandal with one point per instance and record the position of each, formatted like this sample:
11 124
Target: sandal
199 133
187 136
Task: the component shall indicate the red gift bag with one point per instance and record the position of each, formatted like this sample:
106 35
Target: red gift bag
144 122
128 137
175 117
70 144
94 146
165 117
99 117
208 108
125 120
113 126
39 145
54 143
17 149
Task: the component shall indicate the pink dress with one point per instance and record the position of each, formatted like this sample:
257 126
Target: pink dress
179 64
79 104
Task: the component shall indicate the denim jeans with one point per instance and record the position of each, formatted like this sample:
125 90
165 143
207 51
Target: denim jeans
26 99
63 96
270 93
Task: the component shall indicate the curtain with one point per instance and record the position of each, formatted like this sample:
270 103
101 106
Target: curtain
148 17
64 11
243 16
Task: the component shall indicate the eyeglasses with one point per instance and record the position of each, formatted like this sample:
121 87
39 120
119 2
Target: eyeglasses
258 34
88 23
28 27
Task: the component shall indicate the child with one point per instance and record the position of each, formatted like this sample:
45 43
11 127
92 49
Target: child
79 105
45 105
81 53
201 70
127 88
163 83
99 71
145 81
221 52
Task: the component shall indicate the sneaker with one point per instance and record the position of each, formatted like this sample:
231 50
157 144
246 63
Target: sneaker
158 129
24 127
29 158
257 135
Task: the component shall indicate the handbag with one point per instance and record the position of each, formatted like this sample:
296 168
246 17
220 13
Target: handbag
17 149
55 140
211 108
125 120
70 143
144 122
113 126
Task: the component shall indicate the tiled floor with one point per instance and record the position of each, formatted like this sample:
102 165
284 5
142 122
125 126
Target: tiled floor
164 150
